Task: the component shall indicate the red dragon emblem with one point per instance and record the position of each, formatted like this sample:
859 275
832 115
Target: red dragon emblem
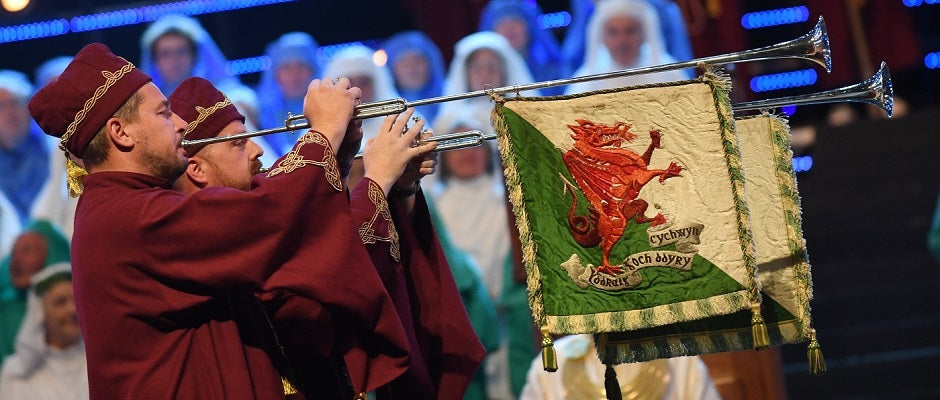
611 178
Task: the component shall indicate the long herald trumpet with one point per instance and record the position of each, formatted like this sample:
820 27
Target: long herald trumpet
876 90
813 46
454 141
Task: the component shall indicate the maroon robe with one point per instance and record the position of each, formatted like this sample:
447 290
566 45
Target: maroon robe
445 351
153 270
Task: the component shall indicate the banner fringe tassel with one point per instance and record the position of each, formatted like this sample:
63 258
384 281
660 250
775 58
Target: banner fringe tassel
817 364
549 359
759 330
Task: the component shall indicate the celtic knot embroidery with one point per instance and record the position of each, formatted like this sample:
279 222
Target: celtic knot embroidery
293 160
110 79
367 231
205 113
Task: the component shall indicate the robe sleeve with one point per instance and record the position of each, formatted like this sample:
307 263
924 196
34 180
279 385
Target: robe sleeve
292 232
239 238
445 335
377 230
408 257
374 223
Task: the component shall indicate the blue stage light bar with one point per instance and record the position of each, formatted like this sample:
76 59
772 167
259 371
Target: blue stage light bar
132 16
802 164
918 3
263 63
326 53
34 30
247 65
782 16
554 20
788 110
129 16
932 60
784 80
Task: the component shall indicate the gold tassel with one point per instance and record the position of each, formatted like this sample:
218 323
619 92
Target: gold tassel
549 361
361 396
817 364
289 388
758 329
73 176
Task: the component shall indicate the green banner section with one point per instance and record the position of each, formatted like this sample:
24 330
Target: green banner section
540 168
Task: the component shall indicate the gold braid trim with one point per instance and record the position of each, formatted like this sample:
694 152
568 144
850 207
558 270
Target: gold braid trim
780 131
110 79
293 160
205 113
367 231
515 194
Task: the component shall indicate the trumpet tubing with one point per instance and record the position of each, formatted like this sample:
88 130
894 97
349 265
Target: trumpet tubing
812 46
454 141
877 90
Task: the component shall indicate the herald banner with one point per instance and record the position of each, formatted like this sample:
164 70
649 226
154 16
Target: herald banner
782 264
631 207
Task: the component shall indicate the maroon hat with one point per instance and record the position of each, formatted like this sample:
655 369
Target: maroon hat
92 88
205 108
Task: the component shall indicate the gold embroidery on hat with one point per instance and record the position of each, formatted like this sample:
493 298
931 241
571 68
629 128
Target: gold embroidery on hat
293 160
367 231
205 113
110 79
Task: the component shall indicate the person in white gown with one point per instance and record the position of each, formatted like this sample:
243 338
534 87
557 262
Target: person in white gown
624 34
53 203
471 202
49 362
483 60
355 63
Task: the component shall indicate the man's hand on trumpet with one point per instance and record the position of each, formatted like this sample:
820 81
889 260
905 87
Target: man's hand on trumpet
416 169
329 108
350 147
386 156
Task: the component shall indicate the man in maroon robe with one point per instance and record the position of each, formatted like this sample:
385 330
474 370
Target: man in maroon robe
153 268
445 352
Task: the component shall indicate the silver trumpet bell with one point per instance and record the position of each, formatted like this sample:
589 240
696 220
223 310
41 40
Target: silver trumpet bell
876 90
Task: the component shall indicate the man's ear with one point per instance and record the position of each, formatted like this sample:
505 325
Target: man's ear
196 171
117 132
